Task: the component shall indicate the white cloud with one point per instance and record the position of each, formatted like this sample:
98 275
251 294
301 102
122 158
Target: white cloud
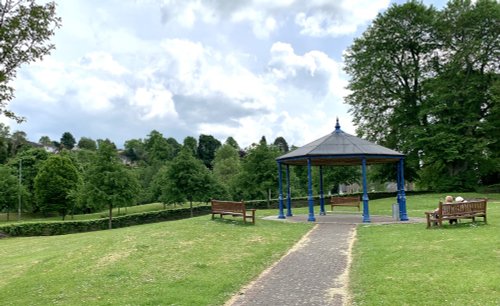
316 18
154 102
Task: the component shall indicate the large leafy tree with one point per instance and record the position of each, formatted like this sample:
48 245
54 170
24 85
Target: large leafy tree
4 143
56 180
186 179
227 165
9 190
27 164
387 66
258 172
158 148
68 141
87 144
422 83
107 181
207 145
25 30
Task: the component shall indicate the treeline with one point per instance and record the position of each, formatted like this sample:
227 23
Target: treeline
69 177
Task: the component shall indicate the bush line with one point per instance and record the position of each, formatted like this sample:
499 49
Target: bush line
71 227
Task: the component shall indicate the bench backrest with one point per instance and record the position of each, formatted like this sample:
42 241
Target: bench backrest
463 208
238 207
340 200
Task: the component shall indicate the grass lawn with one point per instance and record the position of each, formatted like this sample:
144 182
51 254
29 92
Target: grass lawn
187 262
411 265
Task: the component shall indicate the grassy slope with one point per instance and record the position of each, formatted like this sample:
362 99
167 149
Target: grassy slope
411 265
187 262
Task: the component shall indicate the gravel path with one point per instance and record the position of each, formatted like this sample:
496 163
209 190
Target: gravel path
315 271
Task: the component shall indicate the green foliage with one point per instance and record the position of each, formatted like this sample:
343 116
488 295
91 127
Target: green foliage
107 182
158 148
28 163
4 143
55 181
185 179
232 142
423 82
68 141
9 190
87 144
259 173
25 30
207 146
190 144
227 166
71 227
45 141
281 144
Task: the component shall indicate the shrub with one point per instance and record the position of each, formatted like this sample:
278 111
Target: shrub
70 227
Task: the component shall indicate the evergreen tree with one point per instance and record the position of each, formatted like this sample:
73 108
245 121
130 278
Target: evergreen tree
68 141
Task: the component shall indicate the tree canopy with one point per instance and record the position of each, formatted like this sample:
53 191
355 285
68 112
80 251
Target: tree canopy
422 83
55 181
25 30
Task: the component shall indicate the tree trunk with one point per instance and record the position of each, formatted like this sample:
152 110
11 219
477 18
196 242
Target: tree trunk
191 207
110 216
8 217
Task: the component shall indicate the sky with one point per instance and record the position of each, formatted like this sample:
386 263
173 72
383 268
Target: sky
240 68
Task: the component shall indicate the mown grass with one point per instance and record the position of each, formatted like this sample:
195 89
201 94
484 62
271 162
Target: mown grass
408 264
187 262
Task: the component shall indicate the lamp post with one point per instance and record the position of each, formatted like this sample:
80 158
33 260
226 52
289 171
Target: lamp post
19 190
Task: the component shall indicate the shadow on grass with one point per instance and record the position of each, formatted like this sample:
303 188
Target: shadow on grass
233 221
460 225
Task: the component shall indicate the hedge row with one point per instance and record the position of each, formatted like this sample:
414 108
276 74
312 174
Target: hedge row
303 201
70 227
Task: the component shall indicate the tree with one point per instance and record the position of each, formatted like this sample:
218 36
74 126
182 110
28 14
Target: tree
25 30
54 183
281 144
18 142
28 164
4 143
9 190
68 141
135 150
190 144
207 145
87 144
232 142
158 148
227 165
107 182
186 178
45 141
422 83
259 173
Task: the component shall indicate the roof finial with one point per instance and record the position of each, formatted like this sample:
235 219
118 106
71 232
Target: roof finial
337 126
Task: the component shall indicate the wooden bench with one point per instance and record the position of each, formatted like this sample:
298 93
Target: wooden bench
453 211
235 209
345 201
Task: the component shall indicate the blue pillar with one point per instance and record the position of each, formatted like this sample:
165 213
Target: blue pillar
288 193
321 194
366 212
402 201
311 200
280 178
398 181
